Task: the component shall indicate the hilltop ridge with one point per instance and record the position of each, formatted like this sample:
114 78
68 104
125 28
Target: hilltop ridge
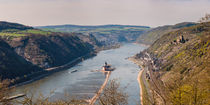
8 25
153 34
107 34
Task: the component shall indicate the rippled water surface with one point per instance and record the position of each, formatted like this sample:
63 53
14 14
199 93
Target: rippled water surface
85 82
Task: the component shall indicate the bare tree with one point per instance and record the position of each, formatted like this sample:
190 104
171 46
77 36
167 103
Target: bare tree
113 94
3 90
44 100
205 19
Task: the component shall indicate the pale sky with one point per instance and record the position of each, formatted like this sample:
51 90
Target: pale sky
98 12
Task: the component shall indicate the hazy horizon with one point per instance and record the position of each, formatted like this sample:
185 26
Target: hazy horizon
151 13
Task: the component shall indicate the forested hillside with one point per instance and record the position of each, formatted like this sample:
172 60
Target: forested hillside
179 69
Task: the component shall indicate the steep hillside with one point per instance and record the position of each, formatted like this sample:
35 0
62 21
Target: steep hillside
90 40
108 34
150 36
49 51
12 65
25 50
179 69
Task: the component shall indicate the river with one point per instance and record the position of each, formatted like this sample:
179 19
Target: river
84 83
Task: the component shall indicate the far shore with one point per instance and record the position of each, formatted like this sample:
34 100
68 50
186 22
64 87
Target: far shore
142 44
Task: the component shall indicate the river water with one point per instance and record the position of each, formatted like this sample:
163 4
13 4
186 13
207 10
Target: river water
85 82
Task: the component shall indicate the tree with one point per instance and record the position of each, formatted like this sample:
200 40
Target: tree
113 94
3 90
205 19
189 94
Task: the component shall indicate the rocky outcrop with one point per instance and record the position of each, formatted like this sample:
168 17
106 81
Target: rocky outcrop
90 40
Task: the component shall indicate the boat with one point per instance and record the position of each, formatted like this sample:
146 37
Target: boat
74 71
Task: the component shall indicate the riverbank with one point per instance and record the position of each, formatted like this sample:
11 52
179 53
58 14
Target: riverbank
142 81
140 86
154 89
46 72
145 45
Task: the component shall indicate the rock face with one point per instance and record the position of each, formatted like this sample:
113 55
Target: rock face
12 65
90 40
49 51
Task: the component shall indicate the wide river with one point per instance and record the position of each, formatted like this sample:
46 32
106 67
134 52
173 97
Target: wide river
85 82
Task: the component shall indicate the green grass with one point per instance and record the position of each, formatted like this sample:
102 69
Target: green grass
93 30
105 32
11 34
34 31
18 33
181 54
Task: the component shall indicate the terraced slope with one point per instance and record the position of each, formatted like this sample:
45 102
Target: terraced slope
180 70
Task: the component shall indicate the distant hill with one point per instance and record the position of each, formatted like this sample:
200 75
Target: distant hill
181 58
108 34
7 25
155 33
91 27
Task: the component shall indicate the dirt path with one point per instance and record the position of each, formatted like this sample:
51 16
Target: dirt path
93 100
139 81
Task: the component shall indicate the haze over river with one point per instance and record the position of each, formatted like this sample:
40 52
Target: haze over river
85 82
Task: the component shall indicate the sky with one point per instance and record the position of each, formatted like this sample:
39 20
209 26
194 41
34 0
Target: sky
151 13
